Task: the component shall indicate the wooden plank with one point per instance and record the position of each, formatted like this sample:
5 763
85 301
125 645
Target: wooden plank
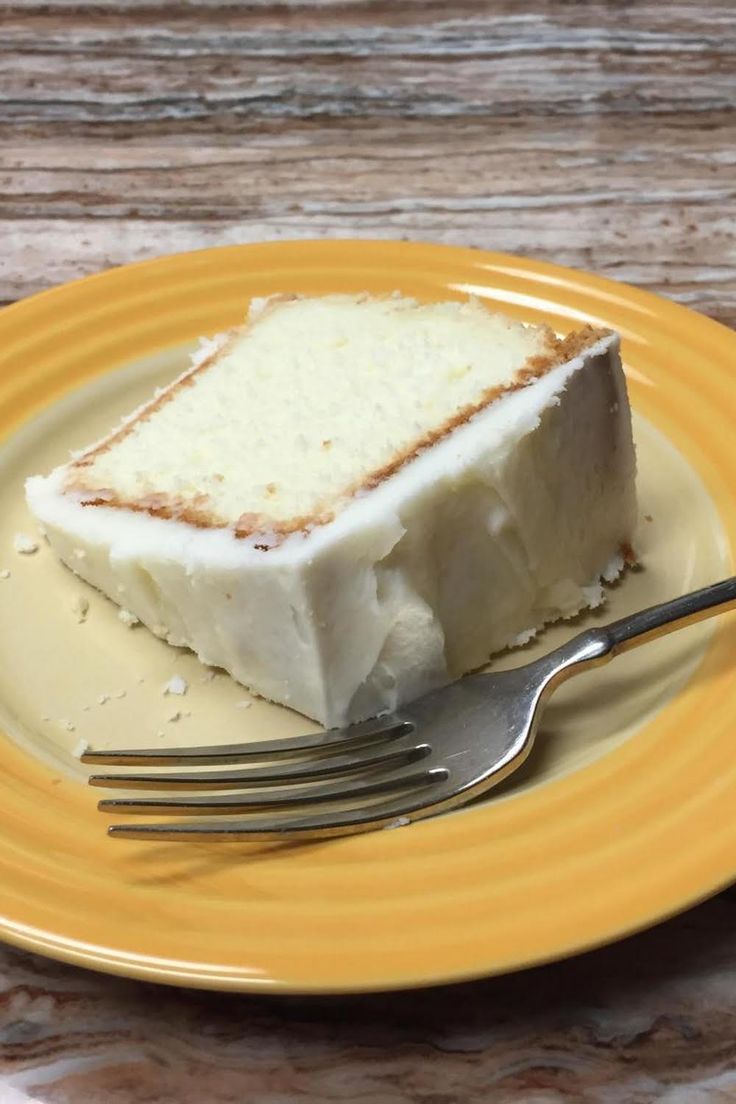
601 136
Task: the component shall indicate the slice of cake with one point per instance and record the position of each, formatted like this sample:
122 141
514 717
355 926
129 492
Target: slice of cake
351 500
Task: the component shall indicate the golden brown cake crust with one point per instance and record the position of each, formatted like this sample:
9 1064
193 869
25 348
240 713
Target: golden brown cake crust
196 511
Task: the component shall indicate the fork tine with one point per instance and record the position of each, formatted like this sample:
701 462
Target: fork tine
265 776
393 814
375 730
283 798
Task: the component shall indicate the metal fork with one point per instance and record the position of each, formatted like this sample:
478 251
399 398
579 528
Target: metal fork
435 754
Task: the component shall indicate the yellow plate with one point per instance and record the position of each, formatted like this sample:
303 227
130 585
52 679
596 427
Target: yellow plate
626 812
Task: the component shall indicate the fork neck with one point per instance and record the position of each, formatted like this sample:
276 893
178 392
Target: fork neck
596 646
589 649
649 624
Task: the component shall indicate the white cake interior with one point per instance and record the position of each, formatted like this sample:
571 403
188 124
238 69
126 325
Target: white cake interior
309 401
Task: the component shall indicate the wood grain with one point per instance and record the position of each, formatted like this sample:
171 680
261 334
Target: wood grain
599 134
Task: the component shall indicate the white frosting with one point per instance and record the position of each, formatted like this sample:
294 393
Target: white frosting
509 522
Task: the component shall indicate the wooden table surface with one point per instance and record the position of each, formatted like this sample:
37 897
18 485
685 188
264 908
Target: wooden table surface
597 134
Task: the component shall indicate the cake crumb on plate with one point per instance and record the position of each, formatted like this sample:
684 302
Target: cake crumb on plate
176 685
80 607
24 544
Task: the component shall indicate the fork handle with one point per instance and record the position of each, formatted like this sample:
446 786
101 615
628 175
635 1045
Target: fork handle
656 621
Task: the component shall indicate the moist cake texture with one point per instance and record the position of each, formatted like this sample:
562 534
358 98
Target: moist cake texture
348 500
350 387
